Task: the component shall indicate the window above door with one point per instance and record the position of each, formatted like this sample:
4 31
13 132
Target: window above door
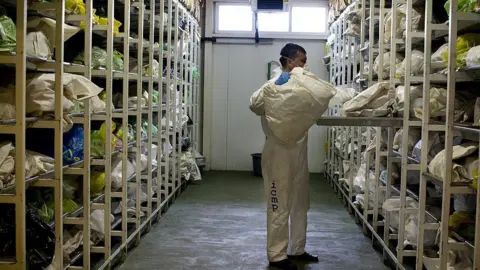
302 20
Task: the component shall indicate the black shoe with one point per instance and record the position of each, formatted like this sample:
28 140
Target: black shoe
305 257
284 265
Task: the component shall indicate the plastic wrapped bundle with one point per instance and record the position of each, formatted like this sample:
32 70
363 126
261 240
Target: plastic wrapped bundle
99 59
459 173
464 44
464 5
417 58
414 135
38 45
436 143
375 101
464 105
40 238
385 68
473 57
8 34
416 93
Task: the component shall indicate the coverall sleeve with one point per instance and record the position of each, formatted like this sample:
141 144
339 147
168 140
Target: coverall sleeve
256 102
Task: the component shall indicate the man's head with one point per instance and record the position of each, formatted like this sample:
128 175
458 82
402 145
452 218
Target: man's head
292 56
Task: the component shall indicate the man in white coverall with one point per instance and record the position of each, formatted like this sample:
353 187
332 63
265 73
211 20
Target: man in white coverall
286 179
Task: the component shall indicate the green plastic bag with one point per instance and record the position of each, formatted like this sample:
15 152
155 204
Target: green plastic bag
8 34
155 97
45 213
463 6
97 144
117 61
97 183
145 127
464 44
99 59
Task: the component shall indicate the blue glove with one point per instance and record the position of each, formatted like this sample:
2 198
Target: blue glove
284 77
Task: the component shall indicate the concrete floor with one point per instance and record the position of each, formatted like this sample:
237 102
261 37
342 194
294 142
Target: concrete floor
220 224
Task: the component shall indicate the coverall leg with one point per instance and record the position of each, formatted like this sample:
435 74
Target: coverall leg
281 167
300 202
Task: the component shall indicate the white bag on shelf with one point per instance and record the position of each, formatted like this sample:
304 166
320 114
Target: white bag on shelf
117 165
459 173
473 57
414 135
374 101
417 58
36 44
394 203
386 64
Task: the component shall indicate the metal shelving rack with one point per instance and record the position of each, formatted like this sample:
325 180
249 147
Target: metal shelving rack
164 182
448 240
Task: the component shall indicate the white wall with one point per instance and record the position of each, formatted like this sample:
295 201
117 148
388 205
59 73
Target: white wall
237 71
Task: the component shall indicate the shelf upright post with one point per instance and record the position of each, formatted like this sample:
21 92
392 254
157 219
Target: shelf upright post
449 132
58 131
378 130
371 39
169 129
381 40
363 24
425 132
405 167
198 80
20 137
161 151
378 156
476 252
138 119
180 93
125 124
177 101
151 75
86 133
108 125
366 203
191 91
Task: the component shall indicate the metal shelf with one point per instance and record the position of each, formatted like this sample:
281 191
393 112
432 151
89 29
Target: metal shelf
338 159
184 47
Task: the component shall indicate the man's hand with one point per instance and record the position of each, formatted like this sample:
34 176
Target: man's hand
284 77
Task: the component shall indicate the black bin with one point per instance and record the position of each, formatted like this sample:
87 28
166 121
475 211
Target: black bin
257 164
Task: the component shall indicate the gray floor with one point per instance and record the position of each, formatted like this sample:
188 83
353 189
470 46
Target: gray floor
220 224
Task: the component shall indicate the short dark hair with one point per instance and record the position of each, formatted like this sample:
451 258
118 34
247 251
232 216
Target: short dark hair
290 51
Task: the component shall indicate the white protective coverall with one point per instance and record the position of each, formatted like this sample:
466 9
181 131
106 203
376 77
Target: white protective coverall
287 113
